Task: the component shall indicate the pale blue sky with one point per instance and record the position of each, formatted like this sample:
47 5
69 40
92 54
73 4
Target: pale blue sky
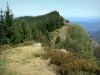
68 8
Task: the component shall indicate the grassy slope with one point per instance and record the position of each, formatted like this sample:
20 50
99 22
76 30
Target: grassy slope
26 60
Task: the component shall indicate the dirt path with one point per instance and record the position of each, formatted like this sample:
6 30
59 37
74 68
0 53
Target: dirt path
27 61
61 32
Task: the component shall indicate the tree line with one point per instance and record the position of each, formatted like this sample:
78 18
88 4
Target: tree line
18 30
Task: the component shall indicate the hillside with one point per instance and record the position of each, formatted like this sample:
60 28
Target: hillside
66 48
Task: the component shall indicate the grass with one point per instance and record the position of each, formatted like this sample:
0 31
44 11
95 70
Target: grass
25 60
11 46
36 55
3 67
3 64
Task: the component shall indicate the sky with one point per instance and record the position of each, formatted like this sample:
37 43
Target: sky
67 8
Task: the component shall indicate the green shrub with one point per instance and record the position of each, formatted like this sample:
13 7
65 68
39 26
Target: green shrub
78 40
59 46
57 40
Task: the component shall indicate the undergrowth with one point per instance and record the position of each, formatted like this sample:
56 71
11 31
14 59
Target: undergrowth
71 64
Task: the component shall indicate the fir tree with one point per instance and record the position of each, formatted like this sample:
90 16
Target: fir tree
8 22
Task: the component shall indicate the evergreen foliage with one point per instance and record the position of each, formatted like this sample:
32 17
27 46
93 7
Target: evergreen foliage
28 27
18 34
33 27
8 23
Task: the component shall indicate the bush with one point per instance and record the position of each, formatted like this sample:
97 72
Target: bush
97 53
59 46
77 40
81 73
68 63
57 40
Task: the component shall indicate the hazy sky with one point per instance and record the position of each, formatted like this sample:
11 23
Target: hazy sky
68 8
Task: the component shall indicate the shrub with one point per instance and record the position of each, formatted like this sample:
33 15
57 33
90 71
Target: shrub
81 73
97 53
59 46
78 40
68 62
57 40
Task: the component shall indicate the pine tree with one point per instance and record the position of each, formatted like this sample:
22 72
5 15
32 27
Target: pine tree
17 33
8 23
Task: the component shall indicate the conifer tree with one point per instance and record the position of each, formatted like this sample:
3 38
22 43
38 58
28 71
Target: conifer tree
8 22
17 33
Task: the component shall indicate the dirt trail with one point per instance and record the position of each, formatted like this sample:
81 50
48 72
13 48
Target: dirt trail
61 32
26 61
